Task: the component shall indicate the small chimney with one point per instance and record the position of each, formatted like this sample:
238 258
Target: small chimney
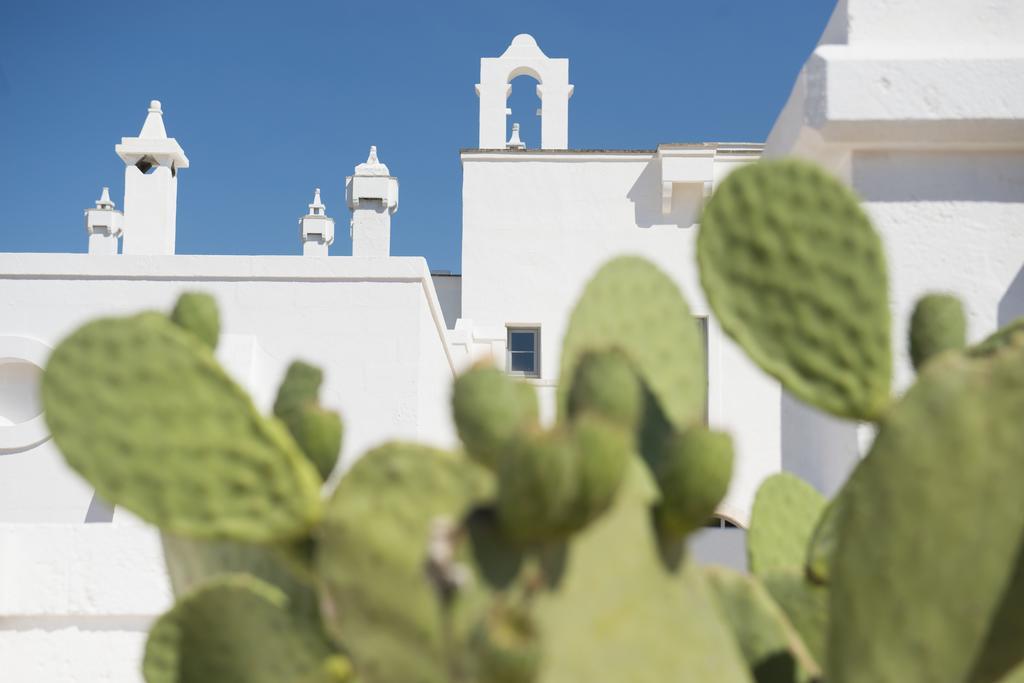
103 224
152 161
316 229
372 194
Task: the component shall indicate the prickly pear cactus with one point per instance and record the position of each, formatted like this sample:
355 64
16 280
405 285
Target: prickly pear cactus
796 275
771 646
692 470
927 580
938 324
372 560
603 452
318 431
1000 338
142 410
619 608
197 313
505 646
786 510
191 562
805 604
238 629
822 546
606 385
490 409
537 487
632 307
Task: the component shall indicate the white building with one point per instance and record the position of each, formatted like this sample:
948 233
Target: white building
941 172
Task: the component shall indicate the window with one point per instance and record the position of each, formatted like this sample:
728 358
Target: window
523 356
717 522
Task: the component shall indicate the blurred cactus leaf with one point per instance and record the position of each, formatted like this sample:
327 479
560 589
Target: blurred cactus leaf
372 557
795 273
238 629
771 646
634 308
928 575
786 510
142 410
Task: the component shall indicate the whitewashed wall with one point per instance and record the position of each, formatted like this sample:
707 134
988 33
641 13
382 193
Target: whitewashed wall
537 225
79 583
919 106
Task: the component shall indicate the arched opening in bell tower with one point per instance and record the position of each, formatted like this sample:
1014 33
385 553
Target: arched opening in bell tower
525 107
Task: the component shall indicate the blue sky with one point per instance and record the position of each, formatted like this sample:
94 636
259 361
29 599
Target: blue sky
270 100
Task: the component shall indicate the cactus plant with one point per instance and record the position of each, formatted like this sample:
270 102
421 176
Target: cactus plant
626 296
606 384
317 431
946 463
692 469
771 646
795 274
937 324
489 409
785 512
805 604
197 313
142 410
998 339
373 552
238 629
556 553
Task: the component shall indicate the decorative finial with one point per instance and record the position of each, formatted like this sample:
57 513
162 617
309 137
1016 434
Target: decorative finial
153 128
514 142
372 165
104 201
317 208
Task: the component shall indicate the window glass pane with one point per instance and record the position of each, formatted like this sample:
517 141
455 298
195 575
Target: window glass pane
522 361
521 341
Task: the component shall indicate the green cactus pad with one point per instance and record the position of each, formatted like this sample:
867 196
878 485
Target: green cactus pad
619 613
237 628
489 408
606 384
771 646
318 432
928 575
822 546
142 410
1002 337
805 605
300 387
693 470
786 510
796 275
603 453
633 307
191 562
372 556
938 324
505 647
537 486
197 313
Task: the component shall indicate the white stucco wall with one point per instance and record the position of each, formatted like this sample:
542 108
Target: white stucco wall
80 584
919 106
449 295
537 226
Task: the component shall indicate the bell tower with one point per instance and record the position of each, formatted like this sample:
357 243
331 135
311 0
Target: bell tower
524 58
